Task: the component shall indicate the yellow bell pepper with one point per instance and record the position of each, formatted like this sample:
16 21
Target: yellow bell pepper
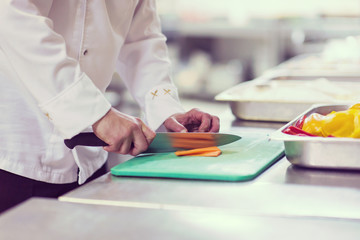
337 124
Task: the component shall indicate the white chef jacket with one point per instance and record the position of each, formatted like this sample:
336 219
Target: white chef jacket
57 57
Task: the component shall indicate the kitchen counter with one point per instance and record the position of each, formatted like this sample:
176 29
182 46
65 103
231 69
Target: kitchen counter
50 219
283 200
282 190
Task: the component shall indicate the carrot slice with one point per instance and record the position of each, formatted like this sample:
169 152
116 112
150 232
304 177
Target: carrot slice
204 152
191 143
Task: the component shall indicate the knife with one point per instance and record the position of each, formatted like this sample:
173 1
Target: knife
163 141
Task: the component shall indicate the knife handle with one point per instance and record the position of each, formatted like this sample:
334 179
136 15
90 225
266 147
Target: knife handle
85 139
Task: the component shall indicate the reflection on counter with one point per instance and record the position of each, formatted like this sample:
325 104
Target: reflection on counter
323 177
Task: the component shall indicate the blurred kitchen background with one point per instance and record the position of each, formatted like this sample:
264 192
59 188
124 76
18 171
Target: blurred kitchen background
215 46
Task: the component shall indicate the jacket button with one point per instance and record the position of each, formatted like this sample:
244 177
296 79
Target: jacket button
85 52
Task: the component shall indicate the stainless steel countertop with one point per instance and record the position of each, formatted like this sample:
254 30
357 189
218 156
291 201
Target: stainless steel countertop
283 202
282 190
50 219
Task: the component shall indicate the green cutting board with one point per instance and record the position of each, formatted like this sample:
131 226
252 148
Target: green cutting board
240 161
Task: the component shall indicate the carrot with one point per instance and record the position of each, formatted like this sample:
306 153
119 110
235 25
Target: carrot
192 135
204 152
192 140
191 143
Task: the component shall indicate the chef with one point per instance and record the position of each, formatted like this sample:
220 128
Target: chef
57 57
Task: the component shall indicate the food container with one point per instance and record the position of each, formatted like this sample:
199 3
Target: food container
281 99
320 152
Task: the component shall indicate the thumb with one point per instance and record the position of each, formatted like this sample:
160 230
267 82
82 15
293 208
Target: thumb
148 132
173 125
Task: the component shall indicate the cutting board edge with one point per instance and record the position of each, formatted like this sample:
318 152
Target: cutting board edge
226 178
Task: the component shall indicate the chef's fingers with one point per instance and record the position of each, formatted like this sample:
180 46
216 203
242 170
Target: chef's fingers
215 124
205 122
124 134
114 147
126 146
132 145
140 143
148 132
173 125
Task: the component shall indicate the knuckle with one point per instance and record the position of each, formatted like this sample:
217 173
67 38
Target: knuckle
124 149
138 151
207 115
134 153
152 135
112 149
143 148
127 132
135 126
122 152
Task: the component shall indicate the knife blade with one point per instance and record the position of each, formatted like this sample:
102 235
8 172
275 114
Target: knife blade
163 141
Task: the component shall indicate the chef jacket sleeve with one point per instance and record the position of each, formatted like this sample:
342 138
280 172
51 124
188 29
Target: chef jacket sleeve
38 56
145 67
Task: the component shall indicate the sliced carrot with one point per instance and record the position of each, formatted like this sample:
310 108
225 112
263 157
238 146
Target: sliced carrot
198 150
191 143
192 135
205 152
208 154
192 140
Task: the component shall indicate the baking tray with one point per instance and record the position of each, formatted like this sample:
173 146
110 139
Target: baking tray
320 152
281 99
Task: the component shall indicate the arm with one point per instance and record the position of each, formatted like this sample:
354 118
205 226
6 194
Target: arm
37 54
65 94
146 69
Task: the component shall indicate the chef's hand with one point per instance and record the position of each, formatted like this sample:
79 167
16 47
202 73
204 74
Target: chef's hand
124 134
192 121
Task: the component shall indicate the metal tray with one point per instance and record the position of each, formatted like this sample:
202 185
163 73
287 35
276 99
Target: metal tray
320 152
266 99
307 74
313 65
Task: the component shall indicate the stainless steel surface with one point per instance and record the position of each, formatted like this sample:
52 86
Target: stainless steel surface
314 74
314 65
49 219
303 74
262 126
254 108
323 177
279 97
267 111
272 194
279 191
319 152
285 202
